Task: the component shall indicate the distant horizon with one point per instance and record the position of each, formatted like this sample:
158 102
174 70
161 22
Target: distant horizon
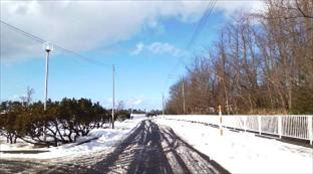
93 101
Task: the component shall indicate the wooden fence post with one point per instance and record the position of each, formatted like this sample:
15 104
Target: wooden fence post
279 126
310 131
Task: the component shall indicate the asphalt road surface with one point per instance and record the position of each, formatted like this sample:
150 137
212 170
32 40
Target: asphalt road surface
150 149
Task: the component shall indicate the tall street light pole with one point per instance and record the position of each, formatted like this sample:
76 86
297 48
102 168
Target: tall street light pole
48 48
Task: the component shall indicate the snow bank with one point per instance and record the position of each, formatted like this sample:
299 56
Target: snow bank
244 152
19 145
107 138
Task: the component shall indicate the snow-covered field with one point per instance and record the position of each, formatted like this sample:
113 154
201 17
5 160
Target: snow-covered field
107 138
244 152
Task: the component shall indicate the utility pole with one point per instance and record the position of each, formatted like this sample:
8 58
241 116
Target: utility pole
162 103
48 48
113 98
183 93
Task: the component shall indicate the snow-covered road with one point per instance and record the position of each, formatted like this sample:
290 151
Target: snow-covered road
156 149
151 148
160 145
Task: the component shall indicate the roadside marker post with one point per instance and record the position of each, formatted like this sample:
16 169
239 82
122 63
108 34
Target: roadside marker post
260 124
221 119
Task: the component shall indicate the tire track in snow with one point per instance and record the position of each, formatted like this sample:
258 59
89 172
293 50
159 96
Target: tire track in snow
150 148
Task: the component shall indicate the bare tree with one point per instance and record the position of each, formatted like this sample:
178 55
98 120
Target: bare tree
27 98
120 105
260 63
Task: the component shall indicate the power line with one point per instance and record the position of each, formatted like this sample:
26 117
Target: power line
92 61
199 28
200 25
36 38
202 22
41 40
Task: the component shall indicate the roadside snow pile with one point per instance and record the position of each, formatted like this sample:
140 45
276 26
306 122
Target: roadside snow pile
104 139
17 146
244 152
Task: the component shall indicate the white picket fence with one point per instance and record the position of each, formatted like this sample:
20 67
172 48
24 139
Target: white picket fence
294 126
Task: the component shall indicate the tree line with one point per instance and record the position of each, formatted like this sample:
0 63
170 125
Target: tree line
63 121
261 63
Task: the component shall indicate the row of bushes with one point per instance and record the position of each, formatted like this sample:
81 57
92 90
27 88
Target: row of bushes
62 122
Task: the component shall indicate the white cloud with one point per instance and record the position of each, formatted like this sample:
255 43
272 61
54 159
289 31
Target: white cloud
138 49
230 6
87 25
165 48
17 97
140 102
134 102
160 48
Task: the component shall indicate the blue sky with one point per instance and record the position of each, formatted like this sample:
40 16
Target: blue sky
144 50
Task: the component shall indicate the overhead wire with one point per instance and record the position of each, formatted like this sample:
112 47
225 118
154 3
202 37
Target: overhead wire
31 36
200 25
198 29
42 41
